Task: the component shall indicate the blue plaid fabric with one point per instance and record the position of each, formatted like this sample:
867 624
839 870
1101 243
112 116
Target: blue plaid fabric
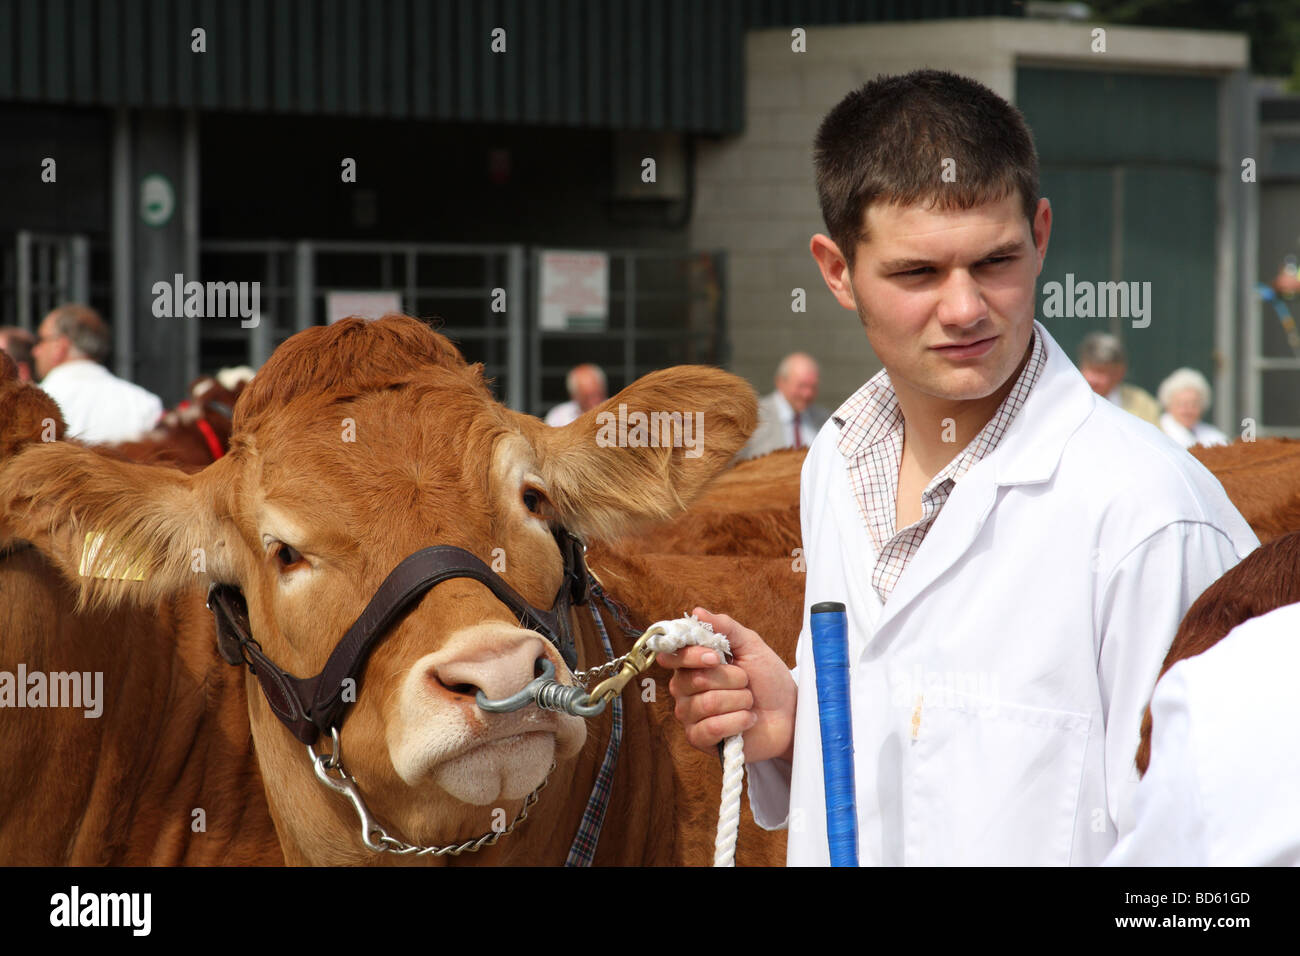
583 849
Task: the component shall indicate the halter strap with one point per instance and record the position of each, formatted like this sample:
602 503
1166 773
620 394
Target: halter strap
312 706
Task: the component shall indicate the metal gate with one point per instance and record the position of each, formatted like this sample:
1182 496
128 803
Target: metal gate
664 307
44 270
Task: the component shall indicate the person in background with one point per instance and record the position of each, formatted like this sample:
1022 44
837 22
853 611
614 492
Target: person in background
18 344
587 388
1104 364
787 418
1186 395
97 405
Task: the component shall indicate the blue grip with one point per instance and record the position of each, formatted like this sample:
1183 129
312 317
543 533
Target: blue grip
831 658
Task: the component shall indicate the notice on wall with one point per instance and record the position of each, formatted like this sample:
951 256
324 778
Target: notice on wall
340 304
574 291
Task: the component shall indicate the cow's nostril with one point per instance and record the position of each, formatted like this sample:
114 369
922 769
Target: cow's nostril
460 688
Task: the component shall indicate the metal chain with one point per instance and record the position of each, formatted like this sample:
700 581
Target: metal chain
614 666
600 670
375 837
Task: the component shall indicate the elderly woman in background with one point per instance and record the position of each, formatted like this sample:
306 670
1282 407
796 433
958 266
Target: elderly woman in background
1185 396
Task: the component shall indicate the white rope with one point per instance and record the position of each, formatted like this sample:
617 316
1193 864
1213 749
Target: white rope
667 637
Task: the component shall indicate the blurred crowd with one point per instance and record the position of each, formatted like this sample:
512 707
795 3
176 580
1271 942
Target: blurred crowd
66 358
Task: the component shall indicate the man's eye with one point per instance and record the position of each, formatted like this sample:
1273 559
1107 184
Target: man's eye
914 272
997 260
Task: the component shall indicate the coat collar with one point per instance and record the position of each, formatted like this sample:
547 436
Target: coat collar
1057 405
1029 452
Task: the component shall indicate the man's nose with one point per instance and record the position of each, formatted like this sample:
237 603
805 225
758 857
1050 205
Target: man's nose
962 302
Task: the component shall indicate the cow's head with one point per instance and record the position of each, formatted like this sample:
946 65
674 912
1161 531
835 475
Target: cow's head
358 444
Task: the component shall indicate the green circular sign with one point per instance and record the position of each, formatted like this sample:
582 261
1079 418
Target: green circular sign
157 200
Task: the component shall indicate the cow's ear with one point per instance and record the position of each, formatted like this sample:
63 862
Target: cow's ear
121 532
27 414
643 456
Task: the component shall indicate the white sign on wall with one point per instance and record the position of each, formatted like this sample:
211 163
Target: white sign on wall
339 304
574 291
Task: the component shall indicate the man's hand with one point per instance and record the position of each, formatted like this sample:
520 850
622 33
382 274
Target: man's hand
754 695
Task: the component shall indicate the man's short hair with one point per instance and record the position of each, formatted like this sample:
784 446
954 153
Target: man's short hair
18 343
1101 348
84 329
890 142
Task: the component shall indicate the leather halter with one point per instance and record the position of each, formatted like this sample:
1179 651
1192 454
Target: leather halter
312 706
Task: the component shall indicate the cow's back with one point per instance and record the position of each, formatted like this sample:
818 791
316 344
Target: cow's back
164 775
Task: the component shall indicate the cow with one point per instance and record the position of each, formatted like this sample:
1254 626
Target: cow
751 510
1267 578
1260 478
358 444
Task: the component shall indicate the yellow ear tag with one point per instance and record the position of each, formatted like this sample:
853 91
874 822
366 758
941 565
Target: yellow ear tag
90 551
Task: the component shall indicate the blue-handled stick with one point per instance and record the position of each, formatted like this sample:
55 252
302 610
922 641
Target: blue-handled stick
831 658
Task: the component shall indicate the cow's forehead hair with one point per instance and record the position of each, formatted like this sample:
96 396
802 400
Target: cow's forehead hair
425 463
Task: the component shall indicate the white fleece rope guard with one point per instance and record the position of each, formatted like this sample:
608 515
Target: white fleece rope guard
667 637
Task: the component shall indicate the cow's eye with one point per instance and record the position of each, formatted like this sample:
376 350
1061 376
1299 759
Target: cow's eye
286 555
534 501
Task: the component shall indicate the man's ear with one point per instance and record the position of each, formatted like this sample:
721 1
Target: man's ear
834 269
1042 231
642 456
120 532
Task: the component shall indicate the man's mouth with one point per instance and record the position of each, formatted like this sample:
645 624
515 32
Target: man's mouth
972 349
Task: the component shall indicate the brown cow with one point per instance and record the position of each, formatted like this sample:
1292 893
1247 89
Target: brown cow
750 510
1267 578
1263 480
358 444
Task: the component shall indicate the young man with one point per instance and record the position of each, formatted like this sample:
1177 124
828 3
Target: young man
1014 553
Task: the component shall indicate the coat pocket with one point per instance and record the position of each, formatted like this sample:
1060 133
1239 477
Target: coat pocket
992 783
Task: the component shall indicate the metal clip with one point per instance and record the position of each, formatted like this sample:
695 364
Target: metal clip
639 659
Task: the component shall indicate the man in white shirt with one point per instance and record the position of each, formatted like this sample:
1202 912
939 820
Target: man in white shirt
587 388
97 405
788 418
1011 589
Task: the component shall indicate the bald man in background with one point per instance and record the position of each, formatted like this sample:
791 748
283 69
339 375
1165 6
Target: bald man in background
587 388
788 418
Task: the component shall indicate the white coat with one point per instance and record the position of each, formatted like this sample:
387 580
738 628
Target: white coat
1223 788
997 696
98 406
